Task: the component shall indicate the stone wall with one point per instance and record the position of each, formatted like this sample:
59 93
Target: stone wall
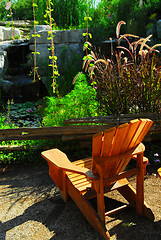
6 33
16 61
68 42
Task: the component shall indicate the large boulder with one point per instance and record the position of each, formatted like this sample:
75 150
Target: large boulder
60 36
68 45
2 60
6 33
159 29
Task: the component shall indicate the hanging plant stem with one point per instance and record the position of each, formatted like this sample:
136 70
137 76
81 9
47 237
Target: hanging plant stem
53 58
35 50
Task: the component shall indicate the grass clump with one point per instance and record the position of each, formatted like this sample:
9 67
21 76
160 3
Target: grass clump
129 80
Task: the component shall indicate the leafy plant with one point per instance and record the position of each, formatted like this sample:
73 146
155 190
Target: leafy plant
5 119
129 81
80 102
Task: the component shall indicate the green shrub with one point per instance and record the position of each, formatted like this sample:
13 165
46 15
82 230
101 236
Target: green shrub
80 102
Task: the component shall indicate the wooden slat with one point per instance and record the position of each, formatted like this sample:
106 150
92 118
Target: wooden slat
81 183
120 135
118 209
75 177
107 142
49 132
121 167
117 119
83 161
87 165
84 187
121 175
137 137
133 125
81 132
144 131
97 144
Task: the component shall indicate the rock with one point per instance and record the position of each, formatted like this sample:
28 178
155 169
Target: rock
42 28
69 36
18 23
42 39
67 43
2 60
65 36
42 49
159 29
6 33
6 85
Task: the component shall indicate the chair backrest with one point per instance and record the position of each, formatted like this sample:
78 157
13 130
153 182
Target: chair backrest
116 141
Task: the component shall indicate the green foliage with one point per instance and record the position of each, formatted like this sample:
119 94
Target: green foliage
5 119
5 123
139 16
22 9
104 20
66 13
80 102
30 155
69 13
130 80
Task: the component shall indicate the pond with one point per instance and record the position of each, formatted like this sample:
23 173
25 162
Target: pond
23 114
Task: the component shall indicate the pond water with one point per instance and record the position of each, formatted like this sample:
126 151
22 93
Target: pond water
24 114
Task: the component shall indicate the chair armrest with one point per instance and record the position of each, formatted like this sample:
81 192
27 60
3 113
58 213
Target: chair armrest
140 148
61 161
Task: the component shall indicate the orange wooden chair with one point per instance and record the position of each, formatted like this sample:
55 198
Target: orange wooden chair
104 171
159 172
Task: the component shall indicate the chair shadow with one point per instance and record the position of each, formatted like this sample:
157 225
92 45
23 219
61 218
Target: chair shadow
51 211
132 226
47 208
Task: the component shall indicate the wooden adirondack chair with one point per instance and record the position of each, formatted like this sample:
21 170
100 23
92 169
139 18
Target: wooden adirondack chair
159 172
104 172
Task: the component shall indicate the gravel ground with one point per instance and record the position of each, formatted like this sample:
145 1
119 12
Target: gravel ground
31 208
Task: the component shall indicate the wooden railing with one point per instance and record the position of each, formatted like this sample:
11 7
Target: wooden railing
81 132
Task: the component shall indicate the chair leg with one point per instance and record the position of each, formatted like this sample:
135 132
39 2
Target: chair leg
100 195
87 210
100 201
64 192
129 193
140 185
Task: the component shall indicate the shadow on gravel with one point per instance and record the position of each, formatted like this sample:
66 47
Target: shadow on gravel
34 193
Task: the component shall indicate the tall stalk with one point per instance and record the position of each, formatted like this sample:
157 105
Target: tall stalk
34 5
53 58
